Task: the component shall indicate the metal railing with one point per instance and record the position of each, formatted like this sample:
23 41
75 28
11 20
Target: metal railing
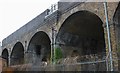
80 66
52 9
93 62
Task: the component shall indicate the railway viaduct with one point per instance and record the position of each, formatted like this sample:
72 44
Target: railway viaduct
76 26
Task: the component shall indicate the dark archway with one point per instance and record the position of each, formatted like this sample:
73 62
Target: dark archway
5 56
39 47
82 31
116 20
17 55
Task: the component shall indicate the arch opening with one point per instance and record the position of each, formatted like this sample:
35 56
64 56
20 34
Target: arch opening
17 55
39 47
82 31
5 56
116 20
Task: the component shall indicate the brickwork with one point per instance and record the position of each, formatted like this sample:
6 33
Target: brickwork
57 19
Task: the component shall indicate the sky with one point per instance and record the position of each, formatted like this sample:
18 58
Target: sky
16 13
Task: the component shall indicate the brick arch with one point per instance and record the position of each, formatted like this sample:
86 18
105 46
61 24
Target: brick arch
96 8
17 54
34 33
69 14
81 24
39 45
5 55
82 31
31 34
116 20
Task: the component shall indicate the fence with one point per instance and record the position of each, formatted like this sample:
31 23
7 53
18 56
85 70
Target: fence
84 66
89 63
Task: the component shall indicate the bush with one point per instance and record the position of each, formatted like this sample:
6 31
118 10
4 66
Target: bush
58 54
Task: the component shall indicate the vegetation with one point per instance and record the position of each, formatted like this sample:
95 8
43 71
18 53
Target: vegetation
58 55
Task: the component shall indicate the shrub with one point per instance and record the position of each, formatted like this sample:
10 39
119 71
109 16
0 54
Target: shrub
58 54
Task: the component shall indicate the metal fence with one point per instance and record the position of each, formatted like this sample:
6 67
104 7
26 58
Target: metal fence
73 64
86 66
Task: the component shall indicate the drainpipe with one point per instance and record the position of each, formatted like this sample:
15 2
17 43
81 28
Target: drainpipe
52 46
108 33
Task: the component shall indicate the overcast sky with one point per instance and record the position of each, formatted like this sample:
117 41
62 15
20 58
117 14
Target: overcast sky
16 13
